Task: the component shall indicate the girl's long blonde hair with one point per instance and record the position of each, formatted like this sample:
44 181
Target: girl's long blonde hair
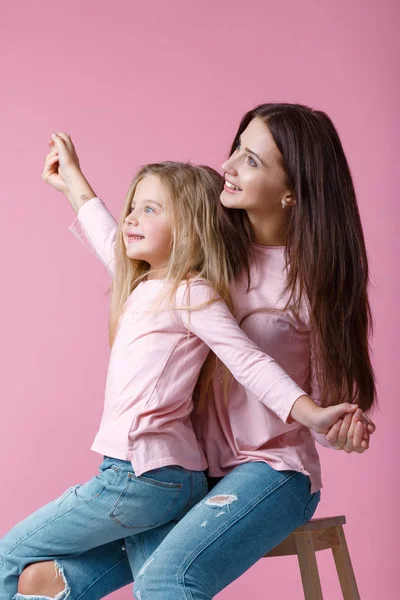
198 241
202 245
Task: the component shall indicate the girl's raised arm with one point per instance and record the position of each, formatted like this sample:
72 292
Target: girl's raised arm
94 226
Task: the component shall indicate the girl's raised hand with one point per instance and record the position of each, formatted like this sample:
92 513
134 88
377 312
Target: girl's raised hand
62 162
66 150
63 172
51 171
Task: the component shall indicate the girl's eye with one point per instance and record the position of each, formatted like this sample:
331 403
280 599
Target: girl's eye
149 209
251 161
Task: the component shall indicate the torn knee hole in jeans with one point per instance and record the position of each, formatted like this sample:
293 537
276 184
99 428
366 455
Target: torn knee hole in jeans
63 595
59 572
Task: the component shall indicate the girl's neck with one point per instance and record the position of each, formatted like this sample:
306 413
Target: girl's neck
267 231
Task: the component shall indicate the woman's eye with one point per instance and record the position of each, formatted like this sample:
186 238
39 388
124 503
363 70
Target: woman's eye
148 209
251 161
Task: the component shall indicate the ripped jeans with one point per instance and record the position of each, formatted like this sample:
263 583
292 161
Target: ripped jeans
90 521
245 515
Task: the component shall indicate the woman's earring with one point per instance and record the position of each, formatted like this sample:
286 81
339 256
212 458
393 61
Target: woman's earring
283 203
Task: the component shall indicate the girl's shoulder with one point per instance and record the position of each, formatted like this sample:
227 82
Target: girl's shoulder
195 291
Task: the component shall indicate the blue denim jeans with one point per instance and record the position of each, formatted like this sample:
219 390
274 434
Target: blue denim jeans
89 521
249 512
245 515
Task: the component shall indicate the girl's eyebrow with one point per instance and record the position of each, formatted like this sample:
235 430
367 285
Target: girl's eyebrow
253 153
150 201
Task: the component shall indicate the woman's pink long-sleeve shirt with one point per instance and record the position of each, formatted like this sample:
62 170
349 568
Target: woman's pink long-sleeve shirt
154 366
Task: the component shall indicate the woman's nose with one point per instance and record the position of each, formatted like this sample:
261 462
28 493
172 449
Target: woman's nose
229 166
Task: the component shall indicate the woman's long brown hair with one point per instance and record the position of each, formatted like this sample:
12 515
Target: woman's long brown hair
325 249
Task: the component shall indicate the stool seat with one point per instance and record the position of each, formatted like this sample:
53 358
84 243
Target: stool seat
316 535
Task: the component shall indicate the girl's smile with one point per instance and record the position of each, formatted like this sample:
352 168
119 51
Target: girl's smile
134 237
147 228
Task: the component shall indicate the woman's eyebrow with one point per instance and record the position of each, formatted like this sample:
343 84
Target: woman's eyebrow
253 153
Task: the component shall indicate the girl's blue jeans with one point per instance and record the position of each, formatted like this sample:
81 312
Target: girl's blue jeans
245 515
108 508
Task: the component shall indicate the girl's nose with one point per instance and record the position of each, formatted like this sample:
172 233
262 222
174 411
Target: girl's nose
131 220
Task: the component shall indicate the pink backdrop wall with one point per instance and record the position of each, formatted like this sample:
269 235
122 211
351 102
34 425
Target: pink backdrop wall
137 82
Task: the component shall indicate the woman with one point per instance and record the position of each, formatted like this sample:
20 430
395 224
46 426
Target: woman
307 306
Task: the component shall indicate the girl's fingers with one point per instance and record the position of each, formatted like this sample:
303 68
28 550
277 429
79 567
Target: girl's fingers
57 139
358 436
355 419
344 429
370 424
332 434
48 168
67 140
63 136
53 159
52 153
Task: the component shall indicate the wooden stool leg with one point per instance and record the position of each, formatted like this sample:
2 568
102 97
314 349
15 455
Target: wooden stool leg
308 566
344 567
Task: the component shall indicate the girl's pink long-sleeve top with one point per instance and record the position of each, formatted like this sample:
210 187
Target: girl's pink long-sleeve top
157 356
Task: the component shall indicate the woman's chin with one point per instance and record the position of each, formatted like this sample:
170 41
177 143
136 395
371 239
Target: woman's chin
230 200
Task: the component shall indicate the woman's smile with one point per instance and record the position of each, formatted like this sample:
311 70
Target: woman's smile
231 188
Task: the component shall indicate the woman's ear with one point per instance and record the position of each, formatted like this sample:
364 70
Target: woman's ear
288 200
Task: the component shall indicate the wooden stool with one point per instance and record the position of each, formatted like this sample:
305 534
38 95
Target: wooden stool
320 534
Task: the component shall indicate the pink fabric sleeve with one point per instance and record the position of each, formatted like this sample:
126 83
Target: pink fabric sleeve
256 371
96 228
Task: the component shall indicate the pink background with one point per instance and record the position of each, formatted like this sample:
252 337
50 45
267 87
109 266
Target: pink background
135 82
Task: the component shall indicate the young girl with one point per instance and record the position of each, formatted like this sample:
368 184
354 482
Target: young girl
172 272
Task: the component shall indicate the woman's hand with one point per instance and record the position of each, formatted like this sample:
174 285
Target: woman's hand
351 433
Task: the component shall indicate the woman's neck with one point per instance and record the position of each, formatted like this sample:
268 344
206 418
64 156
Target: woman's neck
269 230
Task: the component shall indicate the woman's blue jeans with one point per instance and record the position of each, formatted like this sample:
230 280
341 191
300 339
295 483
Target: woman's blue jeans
245 515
